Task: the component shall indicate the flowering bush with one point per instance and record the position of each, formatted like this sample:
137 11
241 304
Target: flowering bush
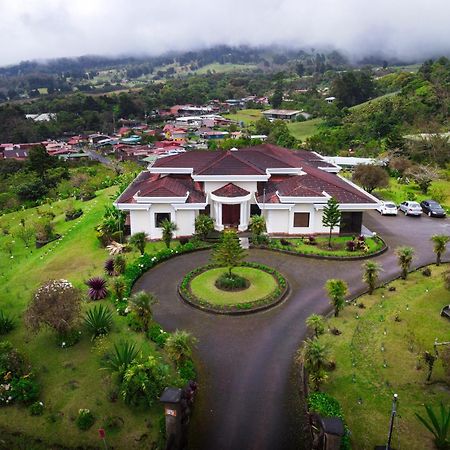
55 304
157 335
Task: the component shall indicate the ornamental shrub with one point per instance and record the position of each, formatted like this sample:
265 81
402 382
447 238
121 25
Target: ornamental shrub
229 282
36 409
85 419
6 323
24 390
157 335
186 370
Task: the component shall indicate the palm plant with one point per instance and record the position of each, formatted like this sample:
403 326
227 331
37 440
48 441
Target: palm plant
97 288
124 354
141 303
437 425
316 323
139 240
168 228
405 256
440 242
314 356
336 290
98 321
257 225
179 346
204 225
371 272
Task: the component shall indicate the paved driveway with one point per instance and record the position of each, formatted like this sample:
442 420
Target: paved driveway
248 399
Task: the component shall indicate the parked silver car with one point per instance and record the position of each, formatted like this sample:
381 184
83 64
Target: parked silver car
410 208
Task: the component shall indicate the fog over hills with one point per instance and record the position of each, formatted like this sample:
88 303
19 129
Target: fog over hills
400 29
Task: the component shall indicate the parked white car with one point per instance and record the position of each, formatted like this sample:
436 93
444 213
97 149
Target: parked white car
387 209
410 208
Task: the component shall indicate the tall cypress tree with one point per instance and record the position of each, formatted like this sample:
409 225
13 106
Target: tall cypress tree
331 216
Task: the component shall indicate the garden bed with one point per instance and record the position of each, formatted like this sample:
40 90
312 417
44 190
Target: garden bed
380 352
267 288
319 249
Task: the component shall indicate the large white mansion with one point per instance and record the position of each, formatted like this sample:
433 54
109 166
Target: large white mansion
289 187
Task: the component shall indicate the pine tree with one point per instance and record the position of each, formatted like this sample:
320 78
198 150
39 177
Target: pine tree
229 252
331 216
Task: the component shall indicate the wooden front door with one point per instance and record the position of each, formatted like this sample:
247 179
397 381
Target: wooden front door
231 215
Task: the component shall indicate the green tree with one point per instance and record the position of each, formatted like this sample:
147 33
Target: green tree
440 242
263 126
39 160
336 290
229 252
370 176
257 227
204 225
141 303
316 323
437 425
331 216
277 97
405 256
314 356
168 228
371 272
26 235
138 240
179 346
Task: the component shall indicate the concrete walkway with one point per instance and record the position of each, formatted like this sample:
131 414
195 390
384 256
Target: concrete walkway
248 398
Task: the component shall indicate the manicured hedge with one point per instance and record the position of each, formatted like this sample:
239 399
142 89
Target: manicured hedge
278 293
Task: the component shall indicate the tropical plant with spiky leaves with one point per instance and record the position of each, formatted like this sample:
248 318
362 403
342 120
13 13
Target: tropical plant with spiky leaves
7 323
405 256
371 273
179 346
138 240
109 267
141 304
316 323
120 263
204 225
97 288
440 242
438 425
314 356
336 290
124 354
257 225
98 320
119 287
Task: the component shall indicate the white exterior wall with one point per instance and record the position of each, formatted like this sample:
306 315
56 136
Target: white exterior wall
211 186
140 222
277 220
185 220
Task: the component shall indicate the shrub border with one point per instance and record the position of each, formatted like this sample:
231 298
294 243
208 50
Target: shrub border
330 257
242 308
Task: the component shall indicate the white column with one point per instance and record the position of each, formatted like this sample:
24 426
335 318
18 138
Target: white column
244 216
218 214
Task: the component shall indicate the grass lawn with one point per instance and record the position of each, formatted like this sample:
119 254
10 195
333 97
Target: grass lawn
262 284
70 378
399 192
338 244
362 383
303 130
245 115
224 68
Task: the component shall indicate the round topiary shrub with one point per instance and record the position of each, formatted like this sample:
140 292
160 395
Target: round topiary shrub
36 408
231 282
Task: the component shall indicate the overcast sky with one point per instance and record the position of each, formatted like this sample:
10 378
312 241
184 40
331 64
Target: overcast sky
37 29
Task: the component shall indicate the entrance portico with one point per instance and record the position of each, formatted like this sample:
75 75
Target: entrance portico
231 207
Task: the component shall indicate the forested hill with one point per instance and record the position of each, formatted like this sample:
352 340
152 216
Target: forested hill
409 103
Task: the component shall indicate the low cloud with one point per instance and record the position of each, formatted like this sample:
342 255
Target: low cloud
40 29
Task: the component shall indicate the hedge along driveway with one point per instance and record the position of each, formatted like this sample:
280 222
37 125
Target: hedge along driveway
247 396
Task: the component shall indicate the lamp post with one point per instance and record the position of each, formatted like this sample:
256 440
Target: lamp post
391 425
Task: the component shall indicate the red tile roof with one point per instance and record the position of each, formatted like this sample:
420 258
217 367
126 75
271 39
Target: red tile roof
230 190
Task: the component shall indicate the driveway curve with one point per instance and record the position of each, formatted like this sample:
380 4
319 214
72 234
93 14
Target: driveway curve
248 398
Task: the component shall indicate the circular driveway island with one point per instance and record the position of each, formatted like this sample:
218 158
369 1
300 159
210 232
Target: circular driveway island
248 397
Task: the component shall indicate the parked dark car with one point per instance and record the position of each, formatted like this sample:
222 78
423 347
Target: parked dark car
432 208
